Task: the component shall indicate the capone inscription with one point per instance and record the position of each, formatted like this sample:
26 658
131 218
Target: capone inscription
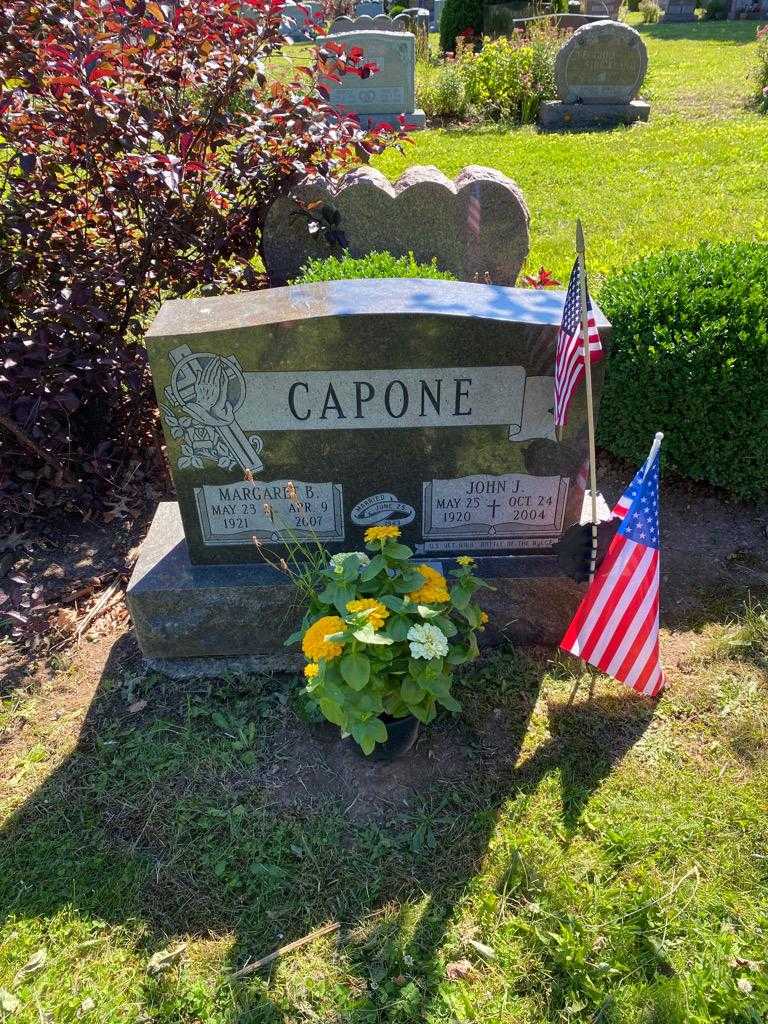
383 399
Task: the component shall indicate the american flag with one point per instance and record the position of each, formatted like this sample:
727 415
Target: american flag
616 627
624 503
569 359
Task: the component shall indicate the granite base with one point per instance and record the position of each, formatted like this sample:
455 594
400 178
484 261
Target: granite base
555 114
204 620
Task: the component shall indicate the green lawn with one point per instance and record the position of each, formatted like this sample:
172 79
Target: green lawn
608 856
696 171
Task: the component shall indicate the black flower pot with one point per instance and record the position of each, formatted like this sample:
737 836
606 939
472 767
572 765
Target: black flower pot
401 736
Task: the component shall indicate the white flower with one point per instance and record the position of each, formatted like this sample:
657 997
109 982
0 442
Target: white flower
427 641
338 560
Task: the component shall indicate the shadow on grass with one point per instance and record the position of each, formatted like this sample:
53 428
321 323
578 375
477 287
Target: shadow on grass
218 809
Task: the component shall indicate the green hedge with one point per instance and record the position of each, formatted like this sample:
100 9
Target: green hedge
375 264
690 357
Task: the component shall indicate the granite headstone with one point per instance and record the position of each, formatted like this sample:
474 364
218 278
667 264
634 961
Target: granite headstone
598 75
679 10
602 8
416 18
317 411
300 22
476 226
370 23
371 7
391 92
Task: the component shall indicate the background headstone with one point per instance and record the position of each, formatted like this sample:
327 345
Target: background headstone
474 225
320 410
437 11
371 7
680 10
391 92
603 8
415 18
370 23
295 21
598 75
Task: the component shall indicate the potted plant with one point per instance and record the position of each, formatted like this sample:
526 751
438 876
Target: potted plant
382 637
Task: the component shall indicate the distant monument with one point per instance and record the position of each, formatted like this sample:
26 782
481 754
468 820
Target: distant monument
389 94
598 74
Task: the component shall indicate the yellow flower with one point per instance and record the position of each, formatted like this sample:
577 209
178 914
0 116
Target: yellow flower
315 645
434 589
311 670
483 617
378 615
381 533
465 560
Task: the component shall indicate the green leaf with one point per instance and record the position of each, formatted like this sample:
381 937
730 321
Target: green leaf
368 635
400 552
356 670
426 612
410 580
350 569
460 597
395 604
440 690
446 625
397 628
369 733
457 655
293 638
333 712
411 692
343 596
417 668
473 614
374 567
328 595
425 711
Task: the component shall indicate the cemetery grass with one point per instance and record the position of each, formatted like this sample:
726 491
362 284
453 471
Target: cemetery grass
694 172
534 861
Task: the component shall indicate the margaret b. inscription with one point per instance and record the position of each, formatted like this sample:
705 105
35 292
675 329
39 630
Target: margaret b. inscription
277 511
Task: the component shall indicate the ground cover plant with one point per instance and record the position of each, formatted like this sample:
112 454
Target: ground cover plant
507 78
375 264
139 146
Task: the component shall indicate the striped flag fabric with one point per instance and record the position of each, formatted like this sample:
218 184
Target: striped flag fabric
569 358
616 626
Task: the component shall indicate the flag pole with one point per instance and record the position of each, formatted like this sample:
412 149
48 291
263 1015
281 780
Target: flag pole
658 438
588 380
